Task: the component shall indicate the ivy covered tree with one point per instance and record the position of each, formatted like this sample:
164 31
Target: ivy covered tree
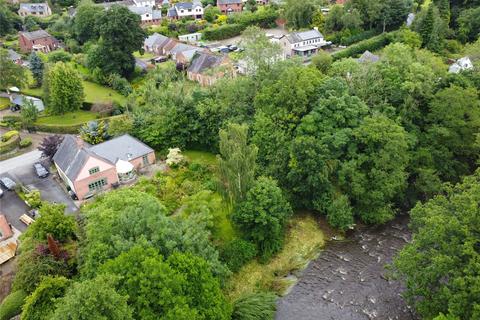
263 215
440 267
64 89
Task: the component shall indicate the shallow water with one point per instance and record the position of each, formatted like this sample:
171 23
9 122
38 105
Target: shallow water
347 281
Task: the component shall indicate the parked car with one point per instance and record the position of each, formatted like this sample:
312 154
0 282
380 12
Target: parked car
40 170
8 183
72 195
159 59
223 49
232 47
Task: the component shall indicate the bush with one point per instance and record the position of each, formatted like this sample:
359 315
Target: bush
8 135
371 44
237 253
119 84
223 32
12 305
12 119
59 55
25 142
261 18
9 145
347 41
65 128
257 306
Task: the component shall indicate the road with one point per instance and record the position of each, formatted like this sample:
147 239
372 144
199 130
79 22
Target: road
26 159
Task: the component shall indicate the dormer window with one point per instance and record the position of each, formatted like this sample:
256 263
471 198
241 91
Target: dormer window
94 170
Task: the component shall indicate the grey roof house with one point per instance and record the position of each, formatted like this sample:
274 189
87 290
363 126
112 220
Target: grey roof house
34 9
368 57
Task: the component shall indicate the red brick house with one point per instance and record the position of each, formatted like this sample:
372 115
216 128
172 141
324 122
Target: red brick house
207 68
39 41
230 6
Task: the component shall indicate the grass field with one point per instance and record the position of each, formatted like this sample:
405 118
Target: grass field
303 242
72 118
201 157
94 93
4 103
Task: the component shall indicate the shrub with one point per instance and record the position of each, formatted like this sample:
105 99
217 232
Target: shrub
12 119
12 305
349 40
9 145
257 306
223 32
59 55
119 84
8 135
237 253
371 44
33 199
25 142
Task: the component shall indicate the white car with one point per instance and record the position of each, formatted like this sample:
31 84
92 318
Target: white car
8 183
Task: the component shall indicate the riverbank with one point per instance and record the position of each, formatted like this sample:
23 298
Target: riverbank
306 236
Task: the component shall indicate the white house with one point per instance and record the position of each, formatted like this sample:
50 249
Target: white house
181 10
148 15
461 64
303 43
191 37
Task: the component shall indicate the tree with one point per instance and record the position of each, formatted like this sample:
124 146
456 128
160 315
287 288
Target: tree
29 113
236 163
440 266
36 66
299 13
263 215
370 11
251 5
431 28
93 299
322 61
180 287
53 221
8 21
40 304
94 132
260 53
211 13
333 21
12 74
394 13
84 21
49 145
469 25
120 125
31 24
120 35
65 89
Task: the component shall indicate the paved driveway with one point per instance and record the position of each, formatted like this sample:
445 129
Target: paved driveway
21 170
13 207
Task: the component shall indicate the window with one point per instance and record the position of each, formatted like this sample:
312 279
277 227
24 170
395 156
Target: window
97 185
94 170
145 160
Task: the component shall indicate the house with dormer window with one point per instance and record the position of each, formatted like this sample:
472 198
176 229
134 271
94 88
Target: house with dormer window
179 10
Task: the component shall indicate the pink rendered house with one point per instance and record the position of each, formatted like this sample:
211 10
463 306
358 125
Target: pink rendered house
87 170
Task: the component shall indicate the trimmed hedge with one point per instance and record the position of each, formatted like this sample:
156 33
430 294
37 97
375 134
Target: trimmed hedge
12 305
223 32
67 128
9 145
25 142
371 44
347 41
7 135
11 119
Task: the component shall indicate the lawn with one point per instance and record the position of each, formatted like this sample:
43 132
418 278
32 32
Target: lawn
4 103
146 55
201 157
73 118
94 93
303 242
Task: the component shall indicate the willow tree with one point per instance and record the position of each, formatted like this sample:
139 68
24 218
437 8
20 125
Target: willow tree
236 163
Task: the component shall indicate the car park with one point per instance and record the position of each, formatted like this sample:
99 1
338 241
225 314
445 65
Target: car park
40 170
8 183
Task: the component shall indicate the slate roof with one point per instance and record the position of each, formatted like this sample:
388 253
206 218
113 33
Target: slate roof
296 37
181 47
155 39
461 64
34 7
367 56
35 35
124 147
70 157
13 55
229 1
204 61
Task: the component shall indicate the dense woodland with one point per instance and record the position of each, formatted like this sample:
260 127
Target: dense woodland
357 143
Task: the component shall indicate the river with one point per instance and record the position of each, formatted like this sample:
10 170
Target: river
347 281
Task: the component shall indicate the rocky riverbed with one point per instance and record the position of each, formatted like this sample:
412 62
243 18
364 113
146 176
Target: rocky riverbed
348 280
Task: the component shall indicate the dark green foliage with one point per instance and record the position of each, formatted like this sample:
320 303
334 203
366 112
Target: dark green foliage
40 305
93 299
59 55
431 28
12 305
53 221
84 21
36 66
223 32
371 45
469 25
299 13
441 265
237 253
256 306
262 217
9 21
12 74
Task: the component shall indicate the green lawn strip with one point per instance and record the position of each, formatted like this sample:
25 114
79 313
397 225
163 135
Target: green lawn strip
73 118
146 55
36 92
4 103
201 157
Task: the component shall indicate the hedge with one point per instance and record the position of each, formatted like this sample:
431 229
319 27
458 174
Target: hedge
67 128
9 145
26 142
347 41
11 119
7 135
12 305
223 32
371 44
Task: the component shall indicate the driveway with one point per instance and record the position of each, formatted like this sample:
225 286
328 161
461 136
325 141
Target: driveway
13 207
21 170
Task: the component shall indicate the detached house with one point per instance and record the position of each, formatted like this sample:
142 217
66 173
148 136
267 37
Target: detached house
303 43
148 15
207 68
460 65
39 41
34 9
230 6
87 170
179 10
